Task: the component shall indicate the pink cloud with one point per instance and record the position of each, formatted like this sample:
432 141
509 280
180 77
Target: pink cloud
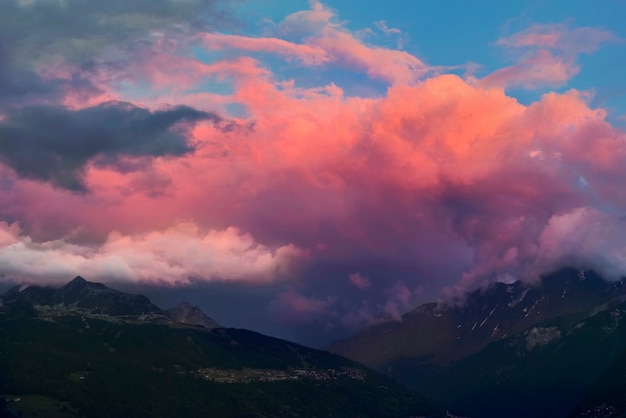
180 254
559 37
359 281
547 55
307 54
585 238
291 307
443 164
399 301
392 66
540 70
325 41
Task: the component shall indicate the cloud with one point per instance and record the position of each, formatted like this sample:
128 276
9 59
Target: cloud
291 307
547 55
315 37
306 54
539 70
43 30
359 281
344 205
399 301
87 41
179 255
586 238
559 37
54 144
426 183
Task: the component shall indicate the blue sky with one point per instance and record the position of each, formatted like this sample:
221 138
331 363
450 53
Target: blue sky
456 33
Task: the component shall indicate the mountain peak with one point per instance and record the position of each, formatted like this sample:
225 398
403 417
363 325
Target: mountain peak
78 279
85 296
79 283
192 315
91 298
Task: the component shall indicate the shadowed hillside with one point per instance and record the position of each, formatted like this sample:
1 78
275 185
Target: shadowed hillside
62 355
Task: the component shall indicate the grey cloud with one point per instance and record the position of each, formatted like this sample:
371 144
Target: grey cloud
54 144
89 36
79 29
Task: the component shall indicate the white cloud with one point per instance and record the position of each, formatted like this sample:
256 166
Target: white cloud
181 254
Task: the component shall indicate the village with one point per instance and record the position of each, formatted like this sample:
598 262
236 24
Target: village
248 375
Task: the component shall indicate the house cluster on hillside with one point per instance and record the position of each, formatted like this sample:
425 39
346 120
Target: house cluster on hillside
247 375
602 411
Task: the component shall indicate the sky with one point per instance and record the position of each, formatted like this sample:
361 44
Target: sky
306 169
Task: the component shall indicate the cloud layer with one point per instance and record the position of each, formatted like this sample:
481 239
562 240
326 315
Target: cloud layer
196 160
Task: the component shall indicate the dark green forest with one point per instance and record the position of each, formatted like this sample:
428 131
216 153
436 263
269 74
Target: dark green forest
74 366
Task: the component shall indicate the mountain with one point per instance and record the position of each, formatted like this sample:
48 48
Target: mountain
97 300
506 350
79 294
85 350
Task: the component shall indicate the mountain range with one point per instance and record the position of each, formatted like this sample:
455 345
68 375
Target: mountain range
555 348
86 350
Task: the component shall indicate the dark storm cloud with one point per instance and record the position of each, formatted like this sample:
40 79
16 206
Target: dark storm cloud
54 144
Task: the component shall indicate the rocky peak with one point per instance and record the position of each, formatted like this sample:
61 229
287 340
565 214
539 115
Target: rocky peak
84 295
96 299
191 315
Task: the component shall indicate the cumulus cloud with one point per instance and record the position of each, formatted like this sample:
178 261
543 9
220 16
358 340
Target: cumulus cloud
584 237
181 254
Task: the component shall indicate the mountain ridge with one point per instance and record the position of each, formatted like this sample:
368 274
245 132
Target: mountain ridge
514 350
97 299
61 356
483 316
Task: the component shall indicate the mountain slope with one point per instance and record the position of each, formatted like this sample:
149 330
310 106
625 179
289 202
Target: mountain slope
507 350
77 363
542 372
440 333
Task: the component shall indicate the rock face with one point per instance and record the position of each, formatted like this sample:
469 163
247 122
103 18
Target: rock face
191 315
